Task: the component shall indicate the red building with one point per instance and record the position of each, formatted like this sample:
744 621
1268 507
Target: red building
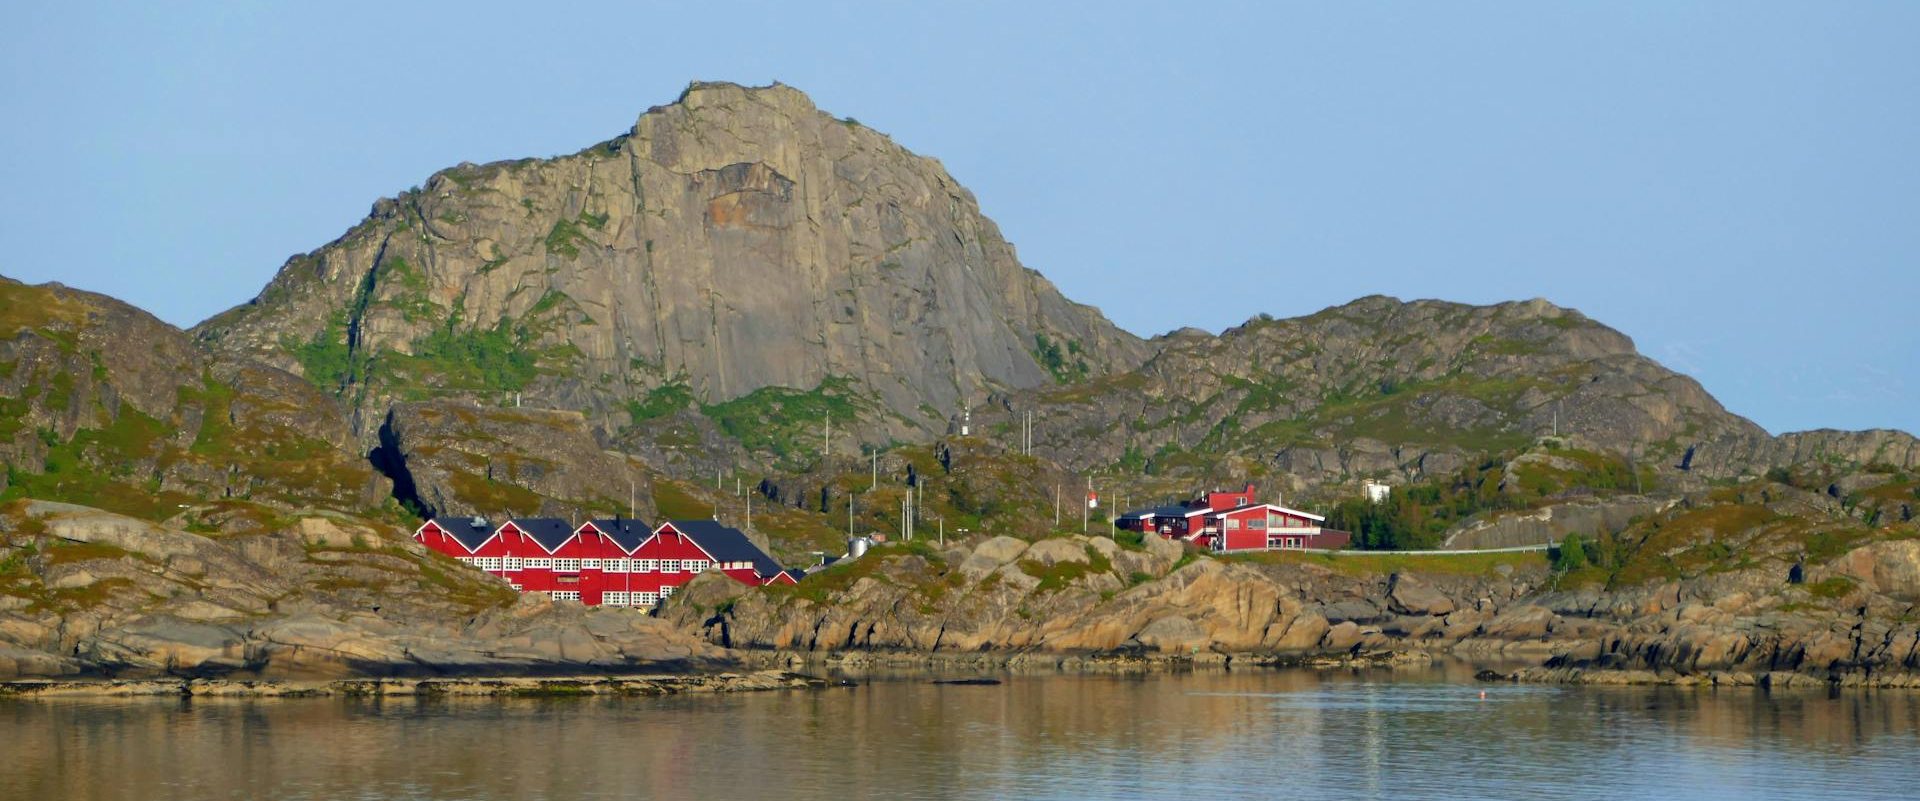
1236 521
618 562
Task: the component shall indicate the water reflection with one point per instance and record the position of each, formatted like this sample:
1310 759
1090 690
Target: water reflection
1246 734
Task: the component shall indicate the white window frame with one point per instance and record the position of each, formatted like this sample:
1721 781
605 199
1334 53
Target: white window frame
646 599
564 595
667 591
613 598
589 564
510 564
539 563
648 565
566 565
669 565
696 565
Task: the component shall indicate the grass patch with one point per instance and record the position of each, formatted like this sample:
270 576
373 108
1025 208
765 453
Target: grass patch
660 402
1360 563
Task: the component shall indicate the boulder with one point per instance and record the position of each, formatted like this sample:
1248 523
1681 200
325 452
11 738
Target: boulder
1055 551
1172 634
1410 596
1000 550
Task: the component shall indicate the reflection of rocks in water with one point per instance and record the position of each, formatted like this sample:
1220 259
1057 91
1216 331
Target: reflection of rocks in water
1200 734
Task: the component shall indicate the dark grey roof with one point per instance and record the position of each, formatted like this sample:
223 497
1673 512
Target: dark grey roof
727 544
470 532
625 532
1156 511
550 532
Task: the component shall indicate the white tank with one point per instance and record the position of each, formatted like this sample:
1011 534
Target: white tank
857 547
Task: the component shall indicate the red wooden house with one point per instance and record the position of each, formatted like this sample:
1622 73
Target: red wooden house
1235 521
616 562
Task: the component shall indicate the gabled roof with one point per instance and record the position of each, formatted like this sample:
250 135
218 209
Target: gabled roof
625 532
726 544
470 532
549 532
1276 508
1155 511
792 573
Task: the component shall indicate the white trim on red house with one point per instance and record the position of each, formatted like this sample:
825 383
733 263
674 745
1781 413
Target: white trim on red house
525 536
456 540
681 535
1275 508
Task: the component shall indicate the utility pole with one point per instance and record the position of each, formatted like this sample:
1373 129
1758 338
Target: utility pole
943 532
749 512
1056 506
826 447
850 499
876 470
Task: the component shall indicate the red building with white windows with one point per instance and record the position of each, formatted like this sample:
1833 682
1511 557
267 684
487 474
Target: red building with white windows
618 562
1236 521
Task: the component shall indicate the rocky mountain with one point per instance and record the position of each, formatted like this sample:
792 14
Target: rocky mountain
734 242
1408 391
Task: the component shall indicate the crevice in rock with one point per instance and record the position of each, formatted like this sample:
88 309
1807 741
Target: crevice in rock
388 460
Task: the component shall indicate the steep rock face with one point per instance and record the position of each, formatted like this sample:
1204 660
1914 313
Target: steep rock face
735 240
454 458
1408 390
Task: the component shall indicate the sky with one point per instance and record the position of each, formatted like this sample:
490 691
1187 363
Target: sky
1734 185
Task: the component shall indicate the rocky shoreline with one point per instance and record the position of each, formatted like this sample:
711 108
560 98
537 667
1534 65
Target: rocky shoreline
494 687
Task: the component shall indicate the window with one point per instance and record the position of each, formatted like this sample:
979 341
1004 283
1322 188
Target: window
566 595
649 565
669 566
489 562
615 565
516 587
510 563
613 598
465 560
695 565
540 564
1258 522
590 564
646 598
567 565
666 591
1233 524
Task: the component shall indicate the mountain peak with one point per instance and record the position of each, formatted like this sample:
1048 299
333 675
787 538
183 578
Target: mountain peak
739 241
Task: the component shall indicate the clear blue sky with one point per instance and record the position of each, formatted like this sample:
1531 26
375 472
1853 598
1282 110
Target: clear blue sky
1734 185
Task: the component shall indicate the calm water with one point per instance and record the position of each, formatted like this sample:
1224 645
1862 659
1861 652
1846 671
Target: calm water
1249 734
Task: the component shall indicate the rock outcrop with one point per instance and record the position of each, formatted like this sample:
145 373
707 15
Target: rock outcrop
91 593
1781 601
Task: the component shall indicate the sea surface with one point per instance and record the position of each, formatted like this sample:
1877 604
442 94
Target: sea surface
1208 735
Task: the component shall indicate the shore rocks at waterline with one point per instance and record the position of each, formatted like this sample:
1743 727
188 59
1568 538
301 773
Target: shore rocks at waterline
1066 596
